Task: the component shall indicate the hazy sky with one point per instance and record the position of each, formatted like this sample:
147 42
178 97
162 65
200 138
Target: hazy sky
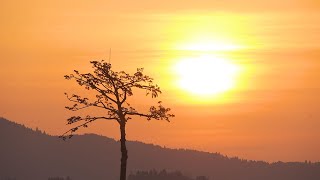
272 112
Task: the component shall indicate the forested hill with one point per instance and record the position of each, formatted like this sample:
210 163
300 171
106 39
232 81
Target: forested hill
27 154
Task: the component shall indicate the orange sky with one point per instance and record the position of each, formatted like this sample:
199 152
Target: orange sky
271 114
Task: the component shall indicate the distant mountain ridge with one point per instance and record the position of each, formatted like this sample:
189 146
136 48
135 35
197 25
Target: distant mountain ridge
26 154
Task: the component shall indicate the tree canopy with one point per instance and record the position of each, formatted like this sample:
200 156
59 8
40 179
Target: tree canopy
113 89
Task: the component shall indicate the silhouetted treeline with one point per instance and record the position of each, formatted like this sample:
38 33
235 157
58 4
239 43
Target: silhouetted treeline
59 178
162 175
27 154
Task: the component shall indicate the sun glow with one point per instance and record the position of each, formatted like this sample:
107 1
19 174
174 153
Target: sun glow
209 46
206 75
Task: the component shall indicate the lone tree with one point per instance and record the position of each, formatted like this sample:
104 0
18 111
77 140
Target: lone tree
112 91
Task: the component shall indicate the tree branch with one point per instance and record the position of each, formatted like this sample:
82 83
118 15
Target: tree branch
160 113
94 87
87 120
84 101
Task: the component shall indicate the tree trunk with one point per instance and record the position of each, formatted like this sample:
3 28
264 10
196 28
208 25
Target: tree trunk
124 152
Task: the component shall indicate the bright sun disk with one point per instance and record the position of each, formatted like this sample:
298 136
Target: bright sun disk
206 75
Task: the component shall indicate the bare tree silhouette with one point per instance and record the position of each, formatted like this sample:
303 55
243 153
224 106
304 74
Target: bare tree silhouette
112 92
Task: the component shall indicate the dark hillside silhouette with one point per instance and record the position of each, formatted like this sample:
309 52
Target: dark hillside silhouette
26 154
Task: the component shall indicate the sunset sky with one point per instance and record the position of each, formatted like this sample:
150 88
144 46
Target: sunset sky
265 106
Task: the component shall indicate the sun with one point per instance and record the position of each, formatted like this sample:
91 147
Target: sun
206 75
